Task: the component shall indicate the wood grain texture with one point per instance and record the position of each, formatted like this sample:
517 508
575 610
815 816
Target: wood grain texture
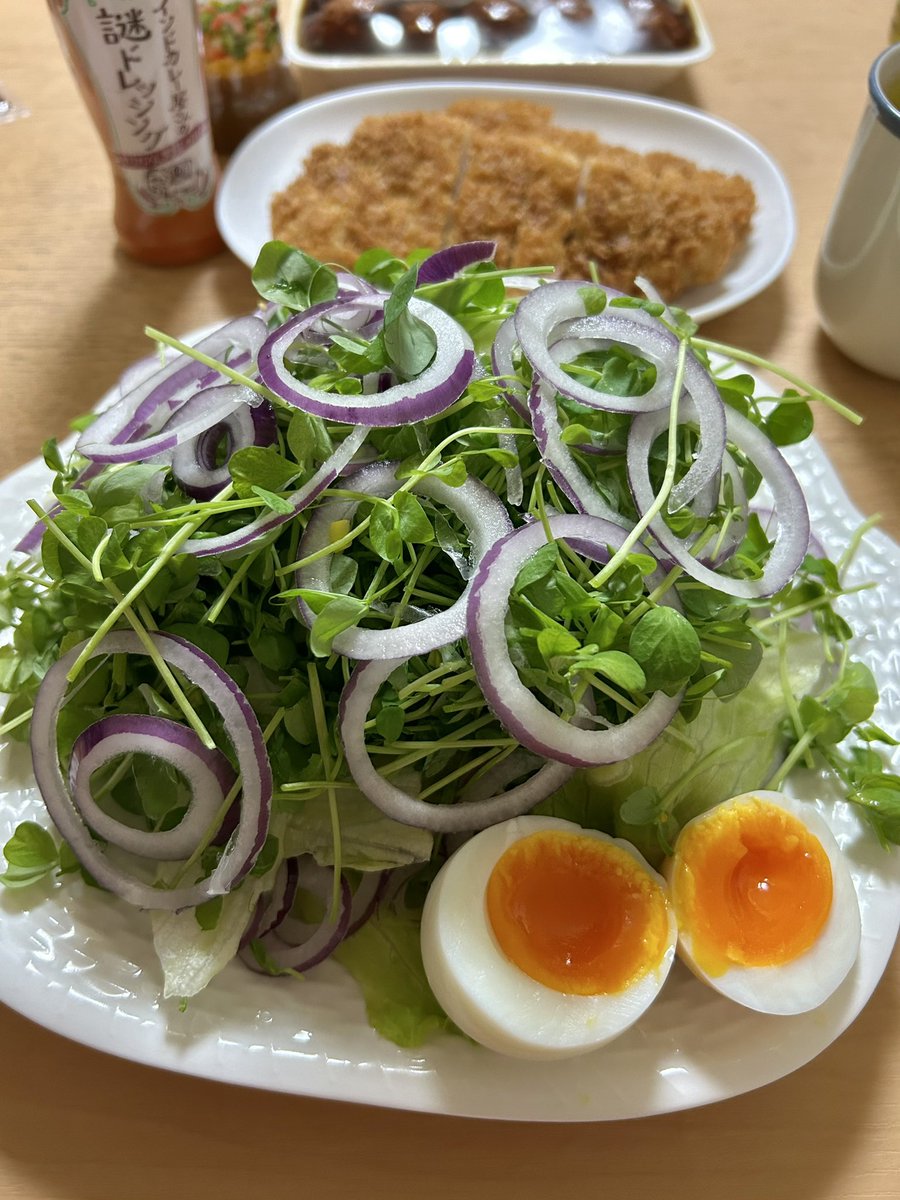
78 1125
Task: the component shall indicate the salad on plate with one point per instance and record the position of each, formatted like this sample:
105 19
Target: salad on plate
461 626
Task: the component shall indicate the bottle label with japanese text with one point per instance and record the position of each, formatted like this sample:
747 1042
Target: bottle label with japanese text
143 60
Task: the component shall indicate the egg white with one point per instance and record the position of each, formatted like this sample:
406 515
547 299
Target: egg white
807 982
488 996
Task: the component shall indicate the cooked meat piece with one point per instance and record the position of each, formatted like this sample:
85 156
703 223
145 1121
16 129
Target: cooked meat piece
313 213
504 116
502 170
393 186
339 26
657 216
520 192
669 26
411 163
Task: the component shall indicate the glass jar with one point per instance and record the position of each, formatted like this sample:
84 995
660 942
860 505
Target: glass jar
247 77
139 70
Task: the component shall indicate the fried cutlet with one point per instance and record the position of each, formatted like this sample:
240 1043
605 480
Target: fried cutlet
503 117
501 170
392 185
312 213
656 216
519 192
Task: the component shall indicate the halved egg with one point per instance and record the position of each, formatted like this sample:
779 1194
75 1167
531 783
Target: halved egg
766 908
541 939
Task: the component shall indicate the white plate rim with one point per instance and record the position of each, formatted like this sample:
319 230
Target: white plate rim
82 965
772 238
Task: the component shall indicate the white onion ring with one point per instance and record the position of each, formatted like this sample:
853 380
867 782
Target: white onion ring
356 700
475 505
436 388
516 707
792 537
242 728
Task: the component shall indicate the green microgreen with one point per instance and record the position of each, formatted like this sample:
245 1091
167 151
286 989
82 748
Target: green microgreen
588 638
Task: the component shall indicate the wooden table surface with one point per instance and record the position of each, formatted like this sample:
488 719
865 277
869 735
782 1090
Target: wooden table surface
78 1125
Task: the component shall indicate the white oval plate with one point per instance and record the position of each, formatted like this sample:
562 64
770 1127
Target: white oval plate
272 157
82 964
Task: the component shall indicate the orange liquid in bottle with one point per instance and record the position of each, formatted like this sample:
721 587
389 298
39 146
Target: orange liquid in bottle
141 79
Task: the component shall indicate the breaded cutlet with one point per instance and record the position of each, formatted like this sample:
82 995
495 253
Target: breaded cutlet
415 159
501 170
312 212
503 116
392 185
659 217
519 192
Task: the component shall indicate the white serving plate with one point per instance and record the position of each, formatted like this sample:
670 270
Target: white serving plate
272 157
319 72
82 964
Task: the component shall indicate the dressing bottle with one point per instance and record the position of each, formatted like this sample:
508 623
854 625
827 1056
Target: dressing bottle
139 69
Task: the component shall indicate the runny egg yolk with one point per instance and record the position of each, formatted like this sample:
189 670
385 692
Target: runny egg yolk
753 887
578 914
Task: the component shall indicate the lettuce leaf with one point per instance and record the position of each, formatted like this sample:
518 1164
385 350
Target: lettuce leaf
370 841
385 959
732 746
190 956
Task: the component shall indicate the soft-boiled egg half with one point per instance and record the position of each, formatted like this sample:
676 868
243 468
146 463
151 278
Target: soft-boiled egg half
766 908
541 939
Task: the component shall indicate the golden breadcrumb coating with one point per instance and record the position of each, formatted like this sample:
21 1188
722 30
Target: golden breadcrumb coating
501 170
659 217
520 193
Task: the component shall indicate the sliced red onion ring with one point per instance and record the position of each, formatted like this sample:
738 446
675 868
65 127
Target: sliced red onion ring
272 908
310 944
198 413
357 308
370 891
194 462
705 470
166 390
558 458
241 727
503 366
551 319
792 537
541 313
515 486
208 774
354 285
446 263
713 554
517 708
244 539
436 388
356 700
476 505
